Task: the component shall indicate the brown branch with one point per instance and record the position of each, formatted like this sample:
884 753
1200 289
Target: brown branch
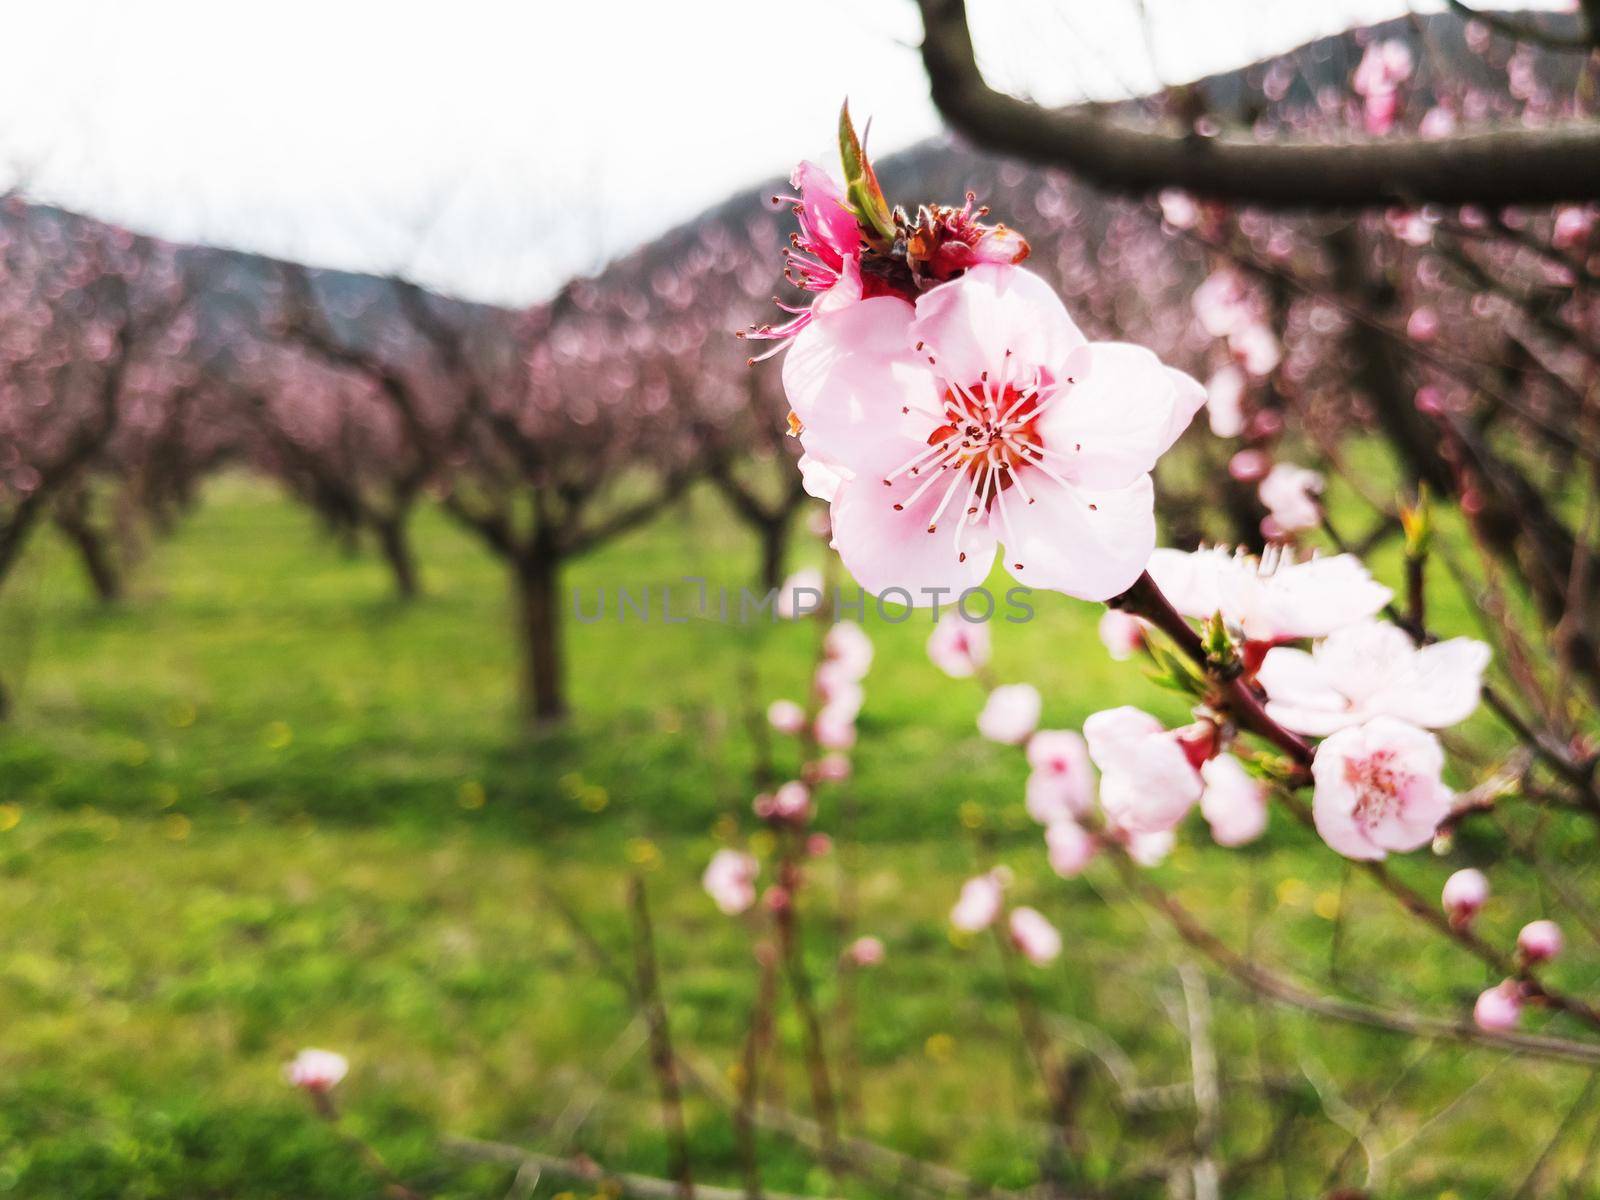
1549 38
1287 992
1495 168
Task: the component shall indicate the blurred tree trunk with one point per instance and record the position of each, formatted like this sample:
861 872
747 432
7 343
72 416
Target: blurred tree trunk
539 623
394 542
774 550
73 519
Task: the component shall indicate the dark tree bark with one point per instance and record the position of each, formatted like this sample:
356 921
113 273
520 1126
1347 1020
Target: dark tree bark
92 546
1559 162
538 600
774 550
394 542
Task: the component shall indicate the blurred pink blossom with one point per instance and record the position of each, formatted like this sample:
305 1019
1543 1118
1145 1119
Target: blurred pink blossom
316 1071
1289 493
847 646
1233 802
730 880
1034 936
979 903
1540 941
1010 714
958 647
1465 893
1070 847
1120 634
786 716
1499 1009
1224 400
1061 784
865 952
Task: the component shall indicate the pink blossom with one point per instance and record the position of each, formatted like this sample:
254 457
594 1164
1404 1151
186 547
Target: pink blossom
730 880
1270 599
1256 347
831 768
1290 492
847 646
1572 226
1540 941
819 845
864 952
819 479
1234 803
1224 401
1378 788
1499 1009
979 904
800 594
316 1071
1032 933
786 716
958 647
1121 634
1149 849
1010 714
1465 892
982 416
835 728
1061 784
1178 208
1438 122
1422 325
790 802
836 684
1249 466
1222 302
1147 780
1383 68
1368 670
824 256
1070 847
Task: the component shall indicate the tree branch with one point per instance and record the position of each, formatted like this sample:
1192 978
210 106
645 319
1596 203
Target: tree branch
1498 167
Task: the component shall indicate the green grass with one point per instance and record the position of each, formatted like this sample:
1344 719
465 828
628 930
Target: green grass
261 805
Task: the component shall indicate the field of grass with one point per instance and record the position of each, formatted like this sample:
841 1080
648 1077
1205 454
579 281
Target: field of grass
261 805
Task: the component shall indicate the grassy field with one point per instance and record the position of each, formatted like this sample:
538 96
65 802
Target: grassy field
261 805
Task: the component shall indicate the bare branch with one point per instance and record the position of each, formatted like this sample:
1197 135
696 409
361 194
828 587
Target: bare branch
1511 166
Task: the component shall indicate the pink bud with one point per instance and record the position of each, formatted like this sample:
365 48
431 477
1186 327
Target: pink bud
865 952
1464 894
830 768
316 1070
819 845
1033 934
1540 941
1498 1009
1249 466
1071 848
791 802
1011 713
786 716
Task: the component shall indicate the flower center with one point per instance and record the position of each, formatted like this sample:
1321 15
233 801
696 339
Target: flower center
1377 783
987 437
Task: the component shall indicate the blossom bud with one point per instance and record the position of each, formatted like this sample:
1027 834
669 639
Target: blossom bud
864 952
1540 941
786 716
1464 894
1498 1009
316 1071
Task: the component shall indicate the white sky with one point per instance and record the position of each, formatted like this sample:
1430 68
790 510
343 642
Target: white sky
491 148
